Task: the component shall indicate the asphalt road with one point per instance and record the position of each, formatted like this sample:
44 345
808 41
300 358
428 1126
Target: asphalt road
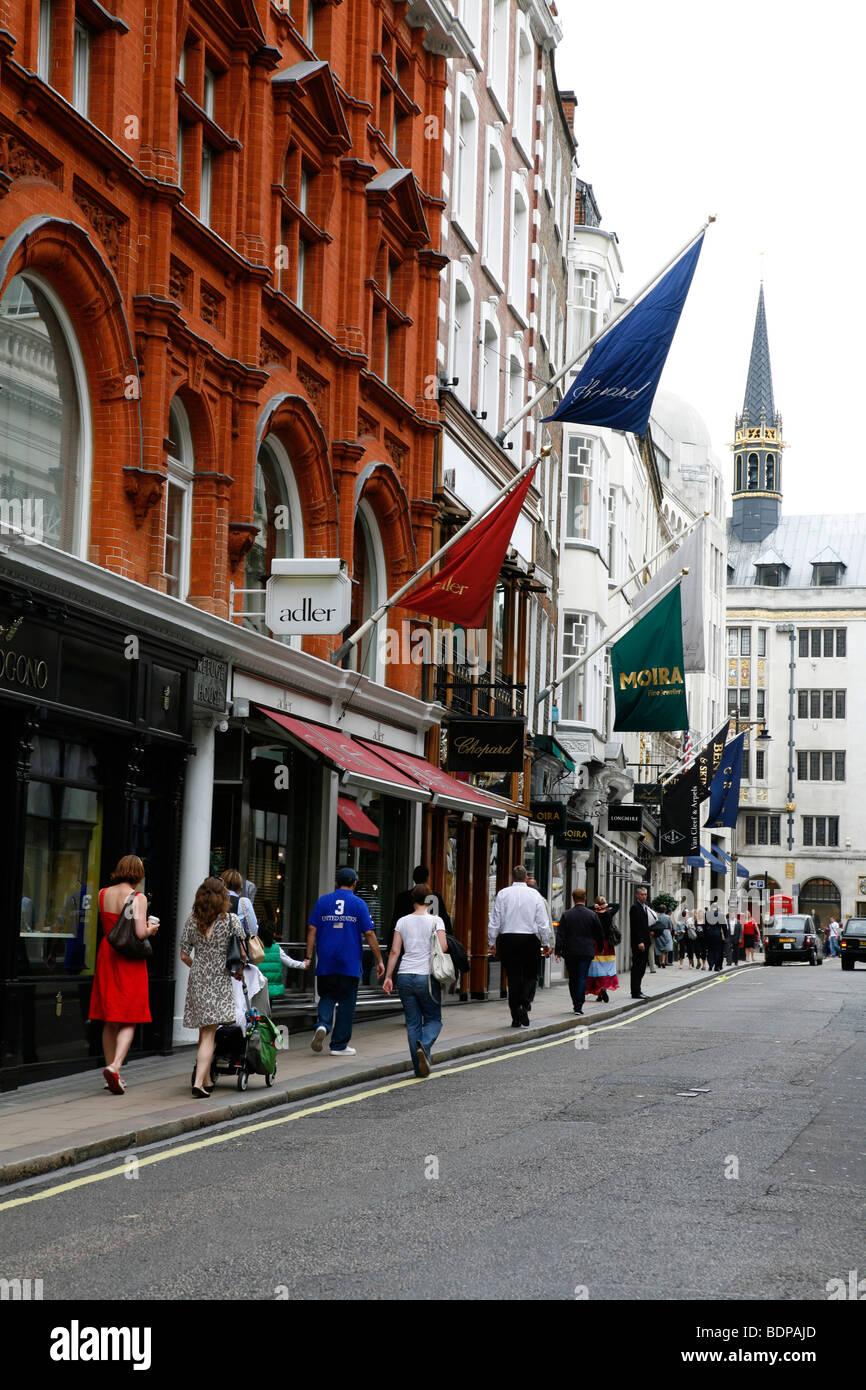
542 1172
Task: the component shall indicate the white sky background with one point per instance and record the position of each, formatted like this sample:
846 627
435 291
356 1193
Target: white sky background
755 112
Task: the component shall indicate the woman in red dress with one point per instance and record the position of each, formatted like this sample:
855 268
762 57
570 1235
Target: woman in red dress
119 997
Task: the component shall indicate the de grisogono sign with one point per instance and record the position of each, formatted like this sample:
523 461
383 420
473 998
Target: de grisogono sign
305 597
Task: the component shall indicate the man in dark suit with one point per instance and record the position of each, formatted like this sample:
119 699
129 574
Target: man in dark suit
640 920
578 937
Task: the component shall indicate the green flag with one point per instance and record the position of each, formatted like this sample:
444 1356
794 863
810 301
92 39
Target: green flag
647 667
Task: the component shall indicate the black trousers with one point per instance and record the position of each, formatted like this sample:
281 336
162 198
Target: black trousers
519 953
638 970
715 950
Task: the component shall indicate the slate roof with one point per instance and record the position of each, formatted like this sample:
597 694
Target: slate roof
798 541
759 383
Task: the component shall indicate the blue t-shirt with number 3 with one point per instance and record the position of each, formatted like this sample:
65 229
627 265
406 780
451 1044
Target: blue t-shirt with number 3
340 920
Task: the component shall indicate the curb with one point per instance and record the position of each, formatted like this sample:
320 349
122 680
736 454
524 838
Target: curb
171 1129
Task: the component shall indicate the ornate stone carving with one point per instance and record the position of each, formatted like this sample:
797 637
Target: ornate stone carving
397 449
242 535
180 282
314 385
105 223
271 353
367 425
144 489
212 307
22 161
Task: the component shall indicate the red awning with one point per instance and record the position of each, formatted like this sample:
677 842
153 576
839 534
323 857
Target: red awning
446 790
363 833
362 766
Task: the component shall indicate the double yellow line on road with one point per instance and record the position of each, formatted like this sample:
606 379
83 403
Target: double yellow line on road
178 1150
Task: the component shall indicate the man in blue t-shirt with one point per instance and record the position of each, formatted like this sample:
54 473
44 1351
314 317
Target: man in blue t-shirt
339 923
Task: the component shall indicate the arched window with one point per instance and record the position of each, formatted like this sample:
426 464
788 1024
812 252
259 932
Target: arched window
277 513
178 503
770 473
368 590
45 435
739 480
753 473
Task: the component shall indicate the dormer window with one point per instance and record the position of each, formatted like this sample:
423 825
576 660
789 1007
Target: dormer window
825 575
772 576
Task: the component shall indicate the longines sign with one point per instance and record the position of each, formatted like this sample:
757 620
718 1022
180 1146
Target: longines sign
622 817
306 597
486 745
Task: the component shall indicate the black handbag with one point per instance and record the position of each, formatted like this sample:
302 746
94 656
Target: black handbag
234 954
124 938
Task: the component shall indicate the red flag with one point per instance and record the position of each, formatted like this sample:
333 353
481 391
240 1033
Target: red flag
462 589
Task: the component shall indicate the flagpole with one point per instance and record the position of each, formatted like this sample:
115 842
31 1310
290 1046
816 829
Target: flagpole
677 763
609 637
667 545
612 323
356 636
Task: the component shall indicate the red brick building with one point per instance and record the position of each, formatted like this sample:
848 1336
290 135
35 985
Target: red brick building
235 204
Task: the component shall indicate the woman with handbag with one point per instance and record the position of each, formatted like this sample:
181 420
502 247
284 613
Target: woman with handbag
420 994
211 945
119 997
602 972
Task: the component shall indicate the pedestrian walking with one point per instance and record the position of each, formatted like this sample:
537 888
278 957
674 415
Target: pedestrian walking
517 933
339 925
663 940
579 938
715 928
420 994
119 996
701 939
733 936
209 996
404 902
640 919
687 938
833 933
750 932
602 972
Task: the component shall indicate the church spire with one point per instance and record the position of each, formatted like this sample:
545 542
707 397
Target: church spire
758 444
759 384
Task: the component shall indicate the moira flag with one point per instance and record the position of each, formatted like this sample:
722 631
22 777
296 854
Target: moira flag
462 589
647 667
617 383
725 789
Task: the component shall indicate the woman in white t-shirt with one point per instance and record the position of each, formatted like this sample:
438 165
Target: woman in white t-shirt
419 992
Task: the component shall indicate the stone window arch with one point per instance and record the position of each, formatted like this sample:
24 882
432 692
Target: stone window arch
278 516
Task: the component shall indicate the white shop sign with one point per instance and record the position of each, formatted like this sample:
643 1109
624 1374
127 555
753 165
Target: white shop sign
308 597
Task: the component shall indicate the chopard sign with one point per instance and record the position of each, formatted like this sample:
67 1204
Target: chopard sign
486 745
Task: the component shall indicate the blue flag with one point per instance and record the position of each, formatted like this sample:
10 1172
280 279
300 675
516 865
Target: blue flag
725 788
616 385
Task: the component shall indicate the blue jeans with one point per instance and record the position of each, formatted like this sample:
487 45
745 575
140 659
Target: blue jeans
578 969
833 946
423 1012
338 992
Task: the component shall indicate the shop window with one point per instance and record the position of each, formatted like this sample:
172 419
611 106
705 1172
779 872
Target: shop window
277 514
44 419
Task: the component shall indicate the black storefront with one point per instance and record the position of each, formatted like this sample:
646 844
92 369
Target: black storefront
96 722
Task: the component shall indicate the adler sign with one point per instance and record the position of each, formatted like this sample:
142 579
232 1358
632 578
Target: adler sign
305 597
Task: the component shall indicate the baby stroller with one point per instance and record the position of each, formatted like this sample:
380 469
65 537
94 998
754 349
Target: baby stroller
243 1052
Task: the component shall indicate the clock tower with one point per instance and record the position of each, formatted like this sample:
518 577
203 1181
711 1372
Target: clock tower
758 445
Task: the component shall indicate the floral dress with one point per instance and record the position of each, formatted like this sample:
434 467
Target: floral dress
209 997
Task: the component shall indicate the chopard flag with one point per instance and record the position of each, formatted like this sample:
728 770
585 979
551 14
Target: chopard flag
617 383
647 668
462 589
725 789
679 832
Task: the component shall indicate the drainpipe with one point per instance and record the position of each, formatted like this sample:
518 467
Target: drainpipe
790 804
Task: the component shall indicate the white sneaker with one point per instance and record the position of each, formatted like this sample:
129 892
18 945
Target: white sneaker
319 1037
344 1052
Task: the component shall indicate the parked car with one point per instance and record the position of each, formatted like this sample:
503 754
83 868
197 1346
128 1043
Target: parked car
852 942
793 937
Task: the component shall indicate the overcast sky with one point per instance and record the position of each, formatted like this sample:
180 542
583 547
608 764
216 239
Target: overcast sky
752 110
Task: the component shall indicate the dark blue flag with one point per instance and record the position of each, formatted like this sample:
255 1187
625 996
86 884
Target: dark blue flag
725 788
617 383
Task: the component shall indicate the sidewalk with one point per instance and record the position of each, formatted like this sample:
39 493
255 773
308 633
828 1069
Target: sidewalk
54 1124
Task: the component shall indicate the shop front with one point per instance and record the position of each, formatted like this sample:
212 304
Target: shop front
96 731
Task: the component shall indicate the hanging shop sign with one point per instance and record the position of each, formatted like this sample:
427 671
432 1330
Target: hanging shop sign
578 834
625 818
308 597
648 793
210 684
486 745
551 814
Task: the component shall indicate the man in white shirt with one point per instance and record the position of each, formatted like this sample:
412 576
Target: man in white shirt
518 933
